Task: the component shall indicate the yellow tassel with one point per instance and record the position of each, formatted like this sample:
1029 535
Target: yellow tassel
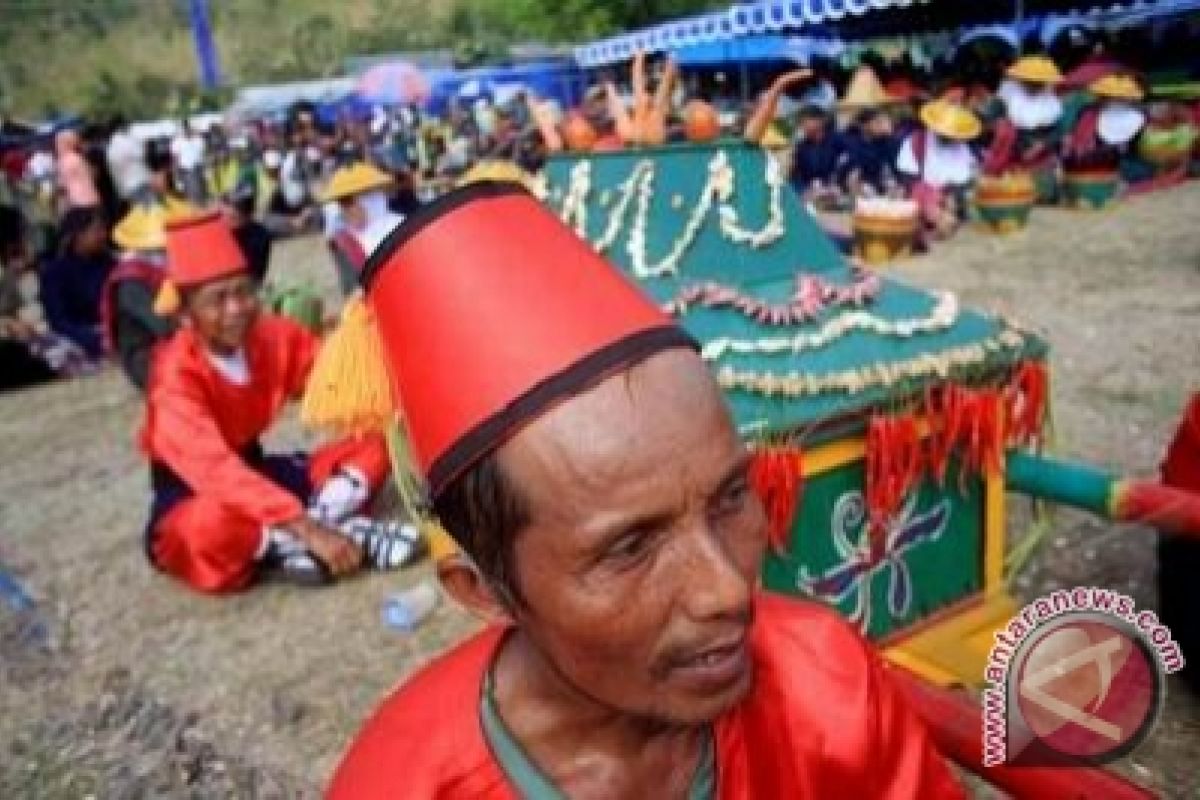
167 301
348 390
408 487
441 545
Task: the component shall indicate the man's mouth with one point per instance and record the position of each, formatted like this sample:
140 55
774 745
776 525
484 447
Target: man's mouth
715 666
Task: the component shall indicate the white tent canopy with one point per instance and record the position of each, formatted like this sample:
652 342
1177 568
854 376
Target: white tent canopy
766 16
260 101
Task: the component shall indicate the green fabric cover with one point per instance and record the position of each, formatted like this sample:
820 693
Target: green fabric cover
769 272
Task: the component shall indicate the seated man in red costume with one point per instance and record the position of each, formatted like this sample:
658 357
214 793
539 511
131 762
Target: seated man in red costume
578 449
223 510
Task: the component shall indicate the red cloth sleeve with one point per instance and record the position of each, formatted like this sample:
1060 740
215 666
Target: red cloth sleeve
1181 468
186 438
825 718
907 763
999 156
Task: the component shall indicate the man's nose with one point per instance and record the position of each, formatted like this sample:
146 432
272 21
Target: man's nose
714 585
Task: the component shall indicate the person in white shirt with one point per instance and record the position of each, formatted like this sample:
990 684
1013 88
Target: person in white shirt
188 150
127 162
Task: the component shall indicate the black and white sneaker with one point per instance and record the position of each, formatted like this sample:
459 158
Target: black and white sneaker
385 545
295 566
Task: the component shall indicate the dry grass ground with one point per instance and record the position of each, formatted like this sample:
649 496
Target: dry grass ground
141 689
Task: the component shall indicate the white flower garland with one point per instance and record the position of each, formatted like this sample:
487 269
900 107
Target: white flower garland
669 265
942 317
800 384
642 170
574 207
718 189
774 228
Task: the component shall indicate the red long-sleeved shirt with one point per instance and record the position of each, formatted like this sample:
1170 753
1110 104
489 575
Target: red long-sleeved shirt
198 422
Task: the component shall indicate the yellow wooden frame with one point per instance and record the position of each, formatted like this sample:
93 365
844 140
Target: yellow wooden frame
953 648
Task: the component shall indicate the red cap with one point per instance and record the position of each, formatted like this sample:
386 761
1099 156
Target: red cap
490 311
200 249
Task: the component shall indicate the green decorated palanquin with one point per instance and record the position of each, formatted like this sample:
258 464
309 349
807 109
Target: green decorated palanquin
705 228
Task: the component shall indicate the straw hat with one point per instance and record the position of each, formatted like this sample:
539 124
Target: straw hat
774 140
356 179
951 119
865 91
492 170
1035 69
144 227
1117 87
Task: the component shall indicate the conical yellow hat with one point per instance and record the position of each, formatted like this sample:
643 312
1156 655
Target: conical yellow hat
865 91
356 179
1117 87
951 120
144 227
496 170
1035 69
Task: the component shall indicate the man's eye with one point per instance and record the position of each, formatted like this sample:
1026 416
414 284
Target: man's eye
631 546
733 498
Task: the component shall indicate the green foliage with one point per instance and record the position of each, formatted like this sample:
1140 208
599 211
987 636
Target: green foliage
317 45
136 57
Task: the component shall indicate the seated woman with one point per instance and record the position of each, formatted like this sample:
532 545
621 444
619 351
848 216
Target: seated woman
1026 135
72 284
132 327
939 165
1102 134
364 218
20 365
869 143
29 355
224 511
869 166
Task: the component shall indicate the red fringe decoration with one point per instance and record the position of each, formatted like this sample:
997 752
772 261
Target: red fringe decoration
776 479
983 433
1025 404
946 409
894 467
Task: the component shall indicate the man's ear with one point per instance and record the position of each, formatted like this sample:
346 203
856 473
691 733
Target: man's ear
463 581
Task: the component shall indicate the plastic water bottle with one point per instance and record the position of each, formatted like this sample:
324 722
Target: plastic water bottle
406 611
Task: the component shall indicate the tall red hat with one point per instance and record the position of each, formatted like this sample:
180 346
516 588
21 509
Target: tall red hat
201 248
489 311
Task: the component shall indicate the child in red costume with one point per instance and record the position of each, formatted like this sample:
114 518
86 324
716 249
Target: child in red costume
222 508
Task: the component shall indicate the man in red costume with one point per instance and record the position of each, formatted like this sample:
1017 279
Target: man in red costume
222 509
1179 556
579 451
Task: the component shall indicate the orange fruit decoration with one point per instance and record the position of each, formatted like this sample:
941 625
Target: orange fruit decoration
700 122
578 133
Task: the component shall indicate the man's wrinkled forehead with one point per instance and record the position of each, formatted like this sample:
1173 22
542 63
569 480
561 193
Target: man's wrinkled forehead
623 424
